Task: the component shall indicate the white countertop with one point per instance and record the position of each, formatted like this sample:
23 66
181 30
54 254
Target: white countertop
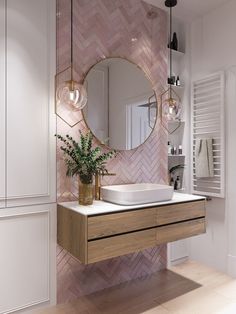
101 207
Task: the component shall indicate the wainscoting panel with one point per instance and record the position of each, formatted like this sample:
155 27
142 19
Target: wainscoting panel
30 70
25 261
105 28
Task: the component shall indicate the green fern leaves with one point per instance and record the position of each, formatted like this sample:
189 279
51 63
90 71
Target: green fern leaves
82 159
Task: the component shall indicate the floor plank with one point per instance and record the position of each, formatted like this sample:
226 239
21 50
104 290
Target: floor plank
189 288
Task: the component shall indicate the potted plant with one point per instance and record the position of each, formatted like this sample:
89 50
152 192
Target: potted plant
84 160
173 169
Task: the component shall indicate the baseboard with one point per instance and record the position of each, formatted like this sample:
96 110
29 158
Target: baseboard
178 261
232 265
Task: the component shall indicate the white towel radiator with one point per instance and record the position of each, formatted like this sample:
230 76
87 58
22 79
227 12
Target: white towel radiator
207 115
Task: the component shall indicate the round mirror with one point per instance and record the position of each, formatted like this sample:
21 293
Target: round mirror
122 107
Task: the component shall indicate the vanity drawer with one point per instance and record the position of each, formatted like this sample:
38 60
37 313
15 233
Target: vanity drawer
106 225
120 245
113 246
180 230
180 212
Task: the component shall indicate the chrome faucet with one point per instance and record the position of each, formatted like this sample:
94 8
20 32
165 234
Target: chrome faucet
98 183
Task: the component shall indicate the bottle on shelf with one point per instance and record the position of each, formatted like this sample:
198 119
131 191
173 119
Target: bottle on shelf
177 83
169 148
177 185
174 42
180 150
171 80
172 182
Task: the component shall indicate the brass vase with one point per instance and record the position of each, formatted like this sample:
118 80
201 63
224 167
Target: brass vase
85 193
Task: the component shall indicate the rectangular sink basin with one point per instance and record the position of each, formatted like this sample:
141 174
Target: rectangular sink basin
135 194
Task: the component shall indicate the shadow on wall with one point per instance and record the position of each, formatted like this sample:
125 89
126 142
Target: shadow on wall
76 279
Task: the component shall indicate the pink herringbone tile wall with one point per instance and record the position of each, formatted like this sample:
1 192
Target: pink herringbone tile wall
104 28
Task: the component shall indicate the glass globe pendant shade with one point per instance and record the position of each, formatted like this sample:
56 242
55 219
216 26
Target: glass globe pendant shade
171 108
72 94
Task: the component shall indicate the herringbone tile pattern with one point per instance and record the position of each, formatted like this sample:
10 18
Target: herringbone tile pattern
104 28
75 279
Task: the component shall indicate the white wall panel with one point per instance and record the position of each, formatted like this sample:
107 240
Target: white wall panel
27 127
2 103
25 244
30 73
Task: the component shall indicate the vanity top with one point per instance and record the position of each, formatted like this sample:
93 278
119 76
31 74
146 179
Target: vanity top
101 207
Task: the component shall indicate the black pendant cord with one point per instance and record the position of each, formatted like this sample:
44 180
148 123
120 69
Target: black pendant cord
170 51
71 39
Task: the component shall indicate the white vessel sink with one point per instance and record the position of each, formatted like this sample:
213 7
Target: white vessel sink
135 194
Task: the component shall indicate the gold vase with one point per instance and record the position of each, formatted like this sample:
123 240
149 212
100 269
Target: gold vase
85 193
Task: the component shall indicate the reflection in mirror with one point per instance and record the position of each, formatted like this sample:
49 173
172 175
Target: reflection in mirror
122 108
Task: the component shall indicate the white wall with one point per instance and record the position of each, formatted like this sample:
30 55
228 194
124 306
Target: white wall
213 48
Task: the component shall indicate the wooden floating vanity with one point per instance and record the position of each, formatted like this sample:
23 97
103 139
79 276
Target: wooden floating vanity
104 230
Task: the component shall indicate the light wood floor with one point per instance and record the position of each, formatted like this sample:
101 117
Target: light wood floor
189 288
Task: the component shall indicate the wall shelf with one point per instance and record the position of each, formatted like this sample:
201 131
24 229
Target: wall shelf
176 155
176 54
179 90
177 61
182 190
177 87
179 251
175 122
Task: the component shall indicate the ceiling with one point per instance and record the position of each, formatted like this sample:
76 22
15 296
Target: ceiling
188 10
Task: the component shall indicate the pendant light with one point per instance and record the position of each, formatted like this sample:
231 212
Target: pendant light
170 101
71 93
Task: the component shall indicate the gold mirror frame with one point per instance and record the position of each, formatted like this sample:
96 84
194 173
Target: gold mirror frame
154 95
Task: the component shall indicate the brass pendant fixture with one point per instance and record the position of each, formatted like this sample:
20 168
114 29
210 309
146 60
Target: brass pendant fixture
170 101
71 94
